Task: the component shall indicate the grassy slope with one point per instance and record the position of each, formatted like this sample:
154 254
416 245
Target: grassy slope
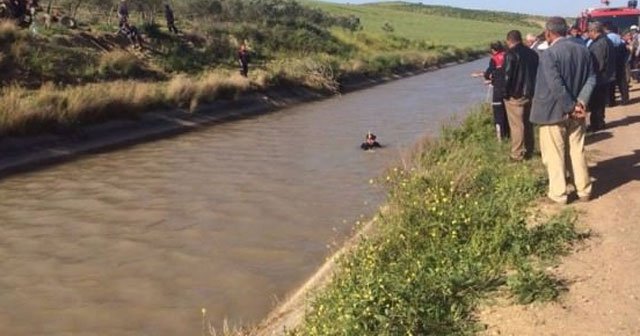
458 229
419 26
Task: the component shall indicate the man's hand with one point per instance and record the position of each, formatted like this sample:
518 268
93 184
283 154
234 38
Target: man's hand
579 111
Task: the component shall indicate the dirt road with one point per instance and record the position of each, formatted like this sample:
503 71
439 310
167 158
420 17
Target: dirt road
604 277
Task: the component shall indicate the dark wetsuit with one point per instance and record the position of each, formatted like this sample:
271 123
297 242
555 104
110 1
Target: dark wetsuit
368 146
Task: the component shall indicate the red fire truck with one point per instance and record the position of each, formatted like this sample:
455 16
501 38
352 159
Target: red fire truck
620 17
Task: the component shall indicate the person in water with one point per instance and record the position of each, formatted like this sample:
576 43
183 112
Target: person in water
370 142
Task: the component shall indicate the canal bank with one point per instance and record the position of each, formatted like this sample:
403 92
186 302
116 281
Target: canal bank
461 226
20 154
603 276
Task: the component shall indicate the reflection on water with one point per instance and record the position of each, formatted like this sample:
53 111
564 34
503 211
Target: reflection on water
229 218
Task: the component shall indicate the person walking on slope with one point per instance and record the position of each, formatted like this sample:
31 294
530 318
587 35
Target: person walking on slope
604 57
243 59
168 15
565 81
520 67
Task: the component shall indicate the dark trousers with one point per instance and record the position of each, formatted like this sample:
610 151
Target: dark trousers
172 27
244 69
622 83
597 105
500 119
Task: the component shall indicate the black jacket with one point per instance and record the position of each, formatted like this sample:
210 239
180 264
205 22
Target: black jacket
495 73
168 14
520 68
604 59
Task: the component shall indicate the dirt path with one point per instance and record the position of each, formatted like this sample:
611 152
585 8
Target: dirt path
604 277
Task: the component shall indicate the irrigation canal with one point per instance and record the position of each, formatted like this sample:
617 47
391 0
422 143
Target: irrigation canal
229 218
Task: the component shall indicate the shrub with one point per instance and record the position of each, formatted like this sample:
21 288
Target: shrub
120 64
188 92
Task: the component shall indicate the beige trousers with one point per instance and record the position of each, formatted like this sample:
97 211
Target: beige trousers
518 111
554 140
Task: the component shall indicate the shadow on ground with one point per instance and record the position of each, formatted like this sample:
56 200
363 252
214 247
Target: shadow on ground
627 121
597 137
616 172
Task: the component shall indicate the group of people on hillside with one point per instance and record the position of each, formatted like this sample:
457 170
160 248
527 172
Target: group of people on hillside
131 32
553 81
23 10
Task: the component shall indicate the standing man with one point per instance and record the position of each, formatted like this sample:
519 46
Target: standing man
575 35
604 58
622 55
123 13
565 82
243 59
520 67
168 15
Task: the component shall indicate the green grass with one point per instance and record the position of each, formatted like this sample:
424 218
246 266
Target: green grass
463 13
439 30
456 232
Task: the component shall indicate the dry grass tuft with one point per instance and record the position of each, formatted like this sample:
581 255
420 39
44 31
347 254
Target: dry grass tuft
9 32
25 112
119 63
184 91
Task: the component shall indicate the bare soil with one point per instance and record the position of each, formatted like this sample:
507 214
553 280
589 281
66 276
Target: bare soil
603 277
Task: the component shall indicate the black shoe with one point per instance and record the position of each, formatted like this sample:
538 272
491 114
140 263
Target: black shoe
595 128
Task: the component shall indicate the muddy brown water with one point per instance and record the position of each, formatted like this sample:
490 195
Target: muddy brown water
230 218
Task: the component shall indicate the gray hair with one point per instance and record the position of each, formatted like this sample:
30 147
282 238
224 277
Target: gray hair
596 26
557 25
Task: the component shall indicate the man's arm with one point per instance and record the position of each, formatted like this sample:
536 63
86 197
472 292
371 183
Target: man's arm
589 86
489 72
509 68
599 53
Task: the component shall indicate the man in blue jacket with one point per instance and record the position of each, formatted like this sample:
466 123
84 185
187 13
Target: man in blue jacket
565 81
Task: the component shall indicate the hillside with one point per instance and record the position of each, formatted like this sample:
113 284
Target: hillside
51 73
464 13
435 24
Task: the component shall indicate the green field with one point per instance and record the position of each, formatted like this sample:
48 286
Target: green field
415 25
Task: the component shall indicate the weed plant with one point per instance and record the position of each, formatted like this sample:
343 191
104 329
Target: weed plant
456 228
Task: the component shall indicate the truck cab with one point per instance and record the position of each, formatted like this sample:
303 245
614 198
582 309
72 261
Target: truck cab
620 17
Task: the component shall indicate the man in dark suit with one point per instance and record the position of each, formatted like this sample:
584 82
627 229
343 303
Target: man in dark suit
520 67
565 82
604 58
